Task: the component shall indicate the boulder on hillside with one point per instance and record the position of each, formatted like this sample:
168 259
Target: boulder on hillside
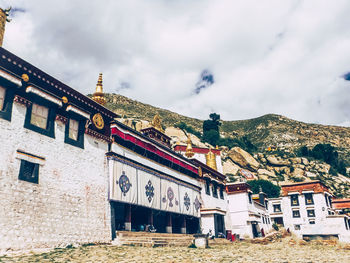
262 172
243 159
278 161
230 168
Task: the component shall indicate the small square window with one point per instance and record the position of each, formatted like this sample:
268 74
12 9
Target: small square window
29 172
294 200
277 208
296 227
311 213
296 213
309 200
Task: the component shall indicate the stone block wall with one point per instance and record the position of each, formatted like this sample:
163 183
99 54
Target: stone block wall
69 205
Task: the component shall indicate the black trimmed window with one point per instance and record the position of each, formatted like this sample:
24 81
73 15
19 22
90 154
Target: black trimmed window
294 200
29 172
263 219
207 187
277 208
309 200
41 118
221 192
215 190
312 222
326 198
250 197
296 227
310 213
6 101
74 133
296 213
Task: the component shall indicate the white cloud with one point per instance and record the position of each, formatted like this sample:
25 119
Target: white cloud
283 57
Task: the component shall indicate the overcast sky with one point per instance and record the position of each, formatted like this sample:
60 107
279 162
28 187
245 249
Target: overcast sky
259 57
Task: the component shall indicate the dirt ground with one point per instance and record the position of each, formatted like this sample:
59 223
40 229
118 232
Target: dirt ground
236 252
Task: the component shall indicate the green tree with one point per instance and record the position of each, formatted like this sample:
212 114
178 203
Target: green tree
211 133
267 187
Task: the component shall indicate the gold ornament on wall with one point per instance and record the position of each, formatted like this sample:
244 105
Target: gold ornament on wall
97 119
64 100
25 77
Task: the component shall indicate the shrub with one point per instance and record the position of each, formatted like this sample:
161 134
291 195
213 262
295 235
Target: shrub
268 188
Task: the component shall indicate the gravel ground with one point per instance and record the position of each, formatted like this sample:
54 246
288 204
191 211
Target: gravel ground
235 252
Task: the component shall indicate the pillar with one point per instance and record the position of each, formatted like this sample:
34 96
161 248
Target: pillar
150 217
169 225
128 217
183 225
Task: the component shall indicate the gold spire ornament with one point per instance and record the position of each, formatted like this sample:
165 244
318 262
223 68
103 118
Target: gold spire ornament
189 150
211 160
4 13
157 123
99 96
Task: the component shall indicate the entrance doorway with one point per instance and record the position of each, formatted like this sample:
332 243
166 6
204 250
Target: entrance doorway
255 229
219 224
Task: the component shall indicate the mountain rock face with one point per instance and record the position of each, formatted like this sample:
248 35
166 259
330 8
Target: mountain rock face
275 136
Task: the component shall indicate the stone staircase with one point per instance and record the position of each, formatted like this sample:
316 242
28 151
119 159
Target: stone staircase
148 239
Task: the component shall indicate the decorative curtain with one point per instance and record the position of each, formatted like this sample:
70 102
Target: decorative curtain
124 187
148 190
170 196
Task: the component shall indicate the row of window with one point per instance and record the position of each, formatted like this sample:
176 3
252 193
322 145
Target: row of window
310 213
214 189
266 220
41 118
309 200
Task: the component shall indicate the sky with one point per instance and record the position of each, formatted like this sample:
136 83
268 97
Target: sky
240 59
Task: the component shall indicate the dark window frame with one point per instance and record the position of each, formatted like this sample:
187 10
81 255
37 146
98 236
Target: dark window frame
311 213
276 210
296 213
81 131
309 196
35 172
6 112
294 197
221 192
215 190
50 127
207 187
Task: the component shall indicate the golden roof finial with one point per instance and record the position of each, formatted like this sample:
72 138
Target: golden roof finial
211 159
157 123
99 96
189 150
4 13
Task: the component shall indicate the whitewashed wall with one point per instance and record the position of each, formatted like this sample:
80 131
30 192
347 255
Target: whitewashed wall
69 205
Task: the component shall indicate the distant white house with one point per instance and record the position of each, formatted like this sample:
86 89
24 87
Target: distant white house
307 212
249 217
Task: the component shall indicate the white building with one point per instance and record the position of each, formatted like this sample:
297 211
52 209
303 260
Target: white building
213 212
307 212
249 217
53 173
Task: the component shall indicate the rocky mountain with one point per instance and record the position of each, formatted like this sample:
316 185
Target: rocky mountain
275 136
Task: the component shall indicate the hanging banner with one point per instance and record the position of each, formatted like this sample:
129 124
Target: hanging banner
186 200
196 203
124 187
169 196
148 190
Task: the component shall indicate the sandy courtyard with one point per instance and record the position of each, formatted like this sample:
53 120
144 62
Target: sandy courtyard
235 252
